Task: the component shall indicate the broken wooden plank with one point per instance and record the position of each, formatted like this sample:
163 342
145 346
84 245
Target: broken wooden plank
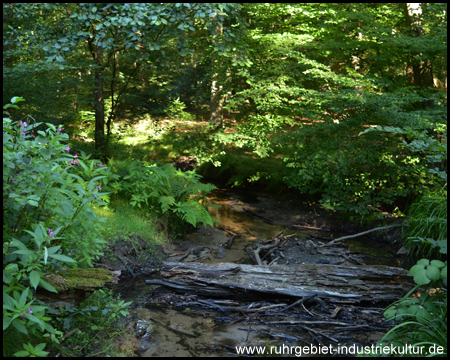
375 283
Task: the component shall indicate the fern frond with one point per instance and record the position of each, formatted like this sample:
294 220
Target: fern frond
166 202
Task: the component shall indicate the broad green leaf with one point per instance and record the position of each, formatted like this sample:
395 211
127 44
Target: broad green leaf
53 249
433 273
24 252
44 284
40 347
13 267
8 300
36 320
35 276
62 258
76 177
6 322
421 278
33 203
22 353
16 99
444 273
24 297
437 263
19 325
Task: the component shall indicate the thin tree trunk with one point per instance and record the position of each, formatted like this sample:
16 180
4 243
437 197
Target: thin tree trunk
115 66
216 117
99 104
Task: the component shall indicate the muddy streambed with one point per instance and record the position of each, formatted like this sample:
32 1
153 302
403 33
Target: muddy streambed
183 324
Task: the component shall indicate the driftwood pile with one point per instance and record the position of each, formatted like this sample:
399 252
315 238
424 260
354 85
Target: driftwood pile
307 320
281 249
330 297
305 303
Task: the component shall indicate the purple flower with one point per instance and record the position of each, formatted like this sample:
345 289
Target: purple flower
30 311
50 232
68 148
100 164
23 132
99 187
76 155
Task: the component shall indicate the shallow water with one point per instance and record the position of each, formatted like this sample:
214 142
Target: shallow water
185 331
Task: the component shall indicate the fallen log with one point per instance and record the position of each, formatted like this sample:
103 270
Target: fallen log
339 284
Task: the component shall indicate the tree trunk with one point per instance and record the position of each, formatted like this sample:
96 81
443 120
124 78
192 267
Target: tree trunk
217 99
339 284
216 117
99 103
112 113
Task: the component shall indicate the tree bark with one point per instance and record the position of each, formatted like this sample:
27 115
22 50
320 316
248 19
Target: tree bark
216 117
99 102
339 284
111 116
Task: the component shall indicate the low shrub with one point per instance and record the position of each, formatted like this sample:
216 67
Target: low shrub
177 196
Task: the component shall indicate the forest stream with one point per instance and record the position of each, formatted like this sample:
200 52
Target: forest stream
184 324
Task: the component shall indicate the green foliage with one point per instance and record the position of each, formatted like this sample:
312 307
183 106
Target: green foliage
313 88
166 191
45 196
176 110
124 220
32 351
85 40
426 229
424 318
47 188
425 272
98 319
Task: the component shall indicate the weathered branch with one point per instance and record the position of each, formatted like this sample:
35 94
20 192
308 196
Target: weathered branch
359 234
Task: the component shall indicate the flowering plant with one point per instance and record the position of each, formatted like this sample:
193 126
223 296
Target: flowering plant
48 216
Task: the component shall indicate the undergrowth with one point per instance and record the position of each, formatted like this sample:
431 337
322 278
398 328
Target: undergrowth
426 230
92 325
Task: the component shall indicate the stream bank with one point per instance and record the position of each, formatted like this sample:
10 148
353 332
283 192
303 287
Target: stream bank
169 323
